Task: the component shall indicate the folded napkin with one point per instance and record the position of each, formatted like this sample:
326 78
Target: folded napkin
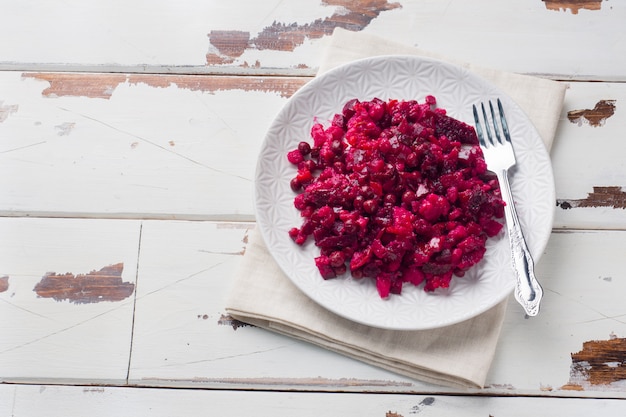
456 355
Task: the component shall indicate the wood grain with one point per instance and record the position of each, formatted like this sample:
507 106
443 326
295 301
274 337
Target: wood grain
286 36
599 363
44 339
596 116
94 287
277 37
587 162
574 6
612 197
104 85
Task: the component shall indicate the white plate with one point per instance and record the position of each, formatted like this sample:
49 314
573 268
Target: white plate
406 78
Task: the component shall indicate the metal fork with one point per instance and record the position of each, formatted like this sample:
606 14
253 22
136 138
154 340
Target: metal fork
500 156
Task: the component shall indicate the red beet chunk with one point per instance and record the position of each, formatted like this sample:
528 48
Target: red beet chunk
455 130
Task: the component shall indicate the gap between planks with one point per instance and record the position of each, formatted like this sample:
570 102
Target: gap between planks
237 71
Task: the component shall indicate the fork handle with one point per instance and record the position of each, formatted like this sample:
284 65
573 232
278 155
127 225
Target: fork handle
528 291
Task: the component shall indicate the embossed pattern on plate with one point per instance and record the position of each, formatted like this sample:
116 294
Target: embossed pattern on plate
406 78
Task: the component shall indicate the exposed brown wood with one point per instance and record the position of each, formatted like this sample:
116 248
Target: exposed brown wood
600 362
279 36
78 85
4 283
572 387
231 43
594 117
613 197
215 59
574 5
103 85
94 287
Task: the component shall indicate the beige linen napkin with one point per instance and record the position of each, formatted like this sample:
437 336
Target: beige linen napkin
456 355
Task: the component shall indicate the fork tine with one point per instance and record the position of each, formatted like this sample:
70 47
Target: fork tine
505 126
479 127
495 123
487 128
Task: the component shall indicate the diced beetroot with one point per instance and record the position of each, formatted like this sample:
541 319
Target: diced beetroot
295 157
433 207
323 265
438 281
360 259
396 286
300 202
386 190
337 259
414 275
383 285
471 243
335 242
455 130
378 249
491 227
377 110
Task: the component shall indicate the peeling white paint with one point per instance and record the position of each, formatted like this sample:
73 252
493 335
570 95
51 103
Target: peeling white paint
5 111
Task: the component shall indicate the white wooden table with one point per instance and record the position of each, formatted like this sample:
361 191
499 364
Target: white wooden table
128 138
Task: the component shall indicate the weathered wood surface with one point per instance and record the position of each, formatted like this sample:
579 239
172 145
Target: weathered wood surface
175 146
76 328
133 146
128 143
587 161
561 38
36 400
580 272
181 336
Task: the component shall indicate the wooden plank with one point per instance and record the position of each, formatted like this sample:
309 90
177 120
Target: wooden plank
184 276
67 305
149 146
7 394
587 158
549 36
580 273
161 146
185 273
71 401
